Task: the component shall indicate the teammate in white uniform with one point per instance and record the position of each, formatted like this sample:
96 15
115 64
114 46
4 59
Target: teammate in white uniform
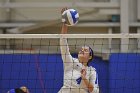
78 77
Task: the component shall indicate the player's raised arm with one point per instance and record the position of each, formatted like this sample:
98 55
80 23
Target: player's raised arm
66 56
64 29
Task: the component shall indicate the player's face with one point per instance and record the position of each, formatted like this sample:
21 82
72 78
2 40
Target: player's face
84 54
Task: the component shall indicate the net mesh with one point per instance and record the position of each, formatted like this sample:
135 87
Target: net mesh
35 61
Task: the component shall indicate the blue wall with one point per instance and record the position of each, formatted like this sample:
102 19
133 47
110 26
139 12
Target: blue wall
21 69
124 74
120 75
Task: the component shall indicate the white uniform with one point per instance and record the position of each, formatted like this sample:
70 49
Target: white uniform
72 73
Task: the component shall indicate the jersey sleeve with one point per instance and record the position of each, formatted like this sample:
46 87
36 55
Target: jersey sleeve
65 54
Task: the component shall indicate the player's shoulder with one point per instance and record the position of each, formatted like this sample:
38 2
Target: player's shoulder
75 59
91 68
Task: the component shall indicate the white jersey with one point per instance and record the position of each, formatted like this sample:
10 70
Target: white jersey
72 72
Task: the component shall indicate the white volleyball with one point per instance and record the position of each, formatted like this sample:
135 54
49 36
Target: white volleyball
70 17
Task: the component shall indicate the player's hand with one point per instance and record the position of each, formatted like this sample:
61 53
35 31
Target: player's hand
64 9
64 26
83 73
63 19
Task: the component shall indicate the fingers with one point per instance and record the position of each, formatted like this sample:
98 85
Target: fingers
83 71
64 9
62 14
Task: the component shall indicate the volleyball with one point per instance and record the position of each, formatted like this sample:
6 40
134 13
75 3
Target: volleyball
70 17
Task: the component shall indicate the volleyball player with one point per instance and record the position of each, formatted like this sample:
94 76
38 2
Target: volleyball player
78 76
22 89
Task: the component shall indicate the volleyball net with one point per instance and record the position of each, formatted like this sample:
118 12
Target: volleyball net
34 60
